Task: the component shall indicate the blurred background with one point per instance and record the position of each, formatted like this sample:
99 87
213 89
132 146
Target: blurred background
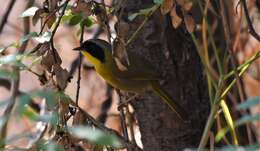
93 89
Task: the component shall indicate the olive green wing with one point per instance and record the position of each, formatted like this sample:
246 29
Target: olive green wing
139 69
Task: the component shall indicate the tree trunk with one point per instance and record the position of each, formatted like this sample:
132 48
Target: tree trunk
173 53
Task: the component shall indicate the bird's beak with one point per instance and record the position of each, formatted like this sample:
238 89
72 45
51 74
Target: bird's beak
77 49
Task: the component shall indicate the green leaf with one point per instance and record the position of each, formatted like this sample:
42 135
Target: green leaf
144 12
13 59
75 19
8 75
249 103
45 37
132 16
243 120
221 133
8 59
26 98
49 146
2 49
2 122
50 97
159 2
4 103
49 118
28 36
29 12
247 119
253 147
67 16
15 45
96 136
87 22
34 116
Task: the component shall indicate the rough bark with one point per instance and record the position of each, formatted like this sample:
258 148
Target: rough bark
173 53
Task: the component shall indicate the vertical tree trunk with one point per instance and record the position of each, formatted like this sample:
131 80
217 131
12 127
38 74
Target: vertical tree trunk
173 53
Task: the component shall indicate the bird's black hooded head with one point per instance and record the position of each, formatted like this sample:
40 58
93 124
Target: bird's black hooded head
95 48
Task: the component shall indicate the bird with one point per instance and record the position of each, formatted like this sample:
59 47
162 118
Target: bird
139 76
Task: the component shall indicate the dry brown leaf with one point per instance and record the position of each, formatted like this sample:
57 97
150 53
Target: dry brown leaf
51 20
38 14
100 14
120 55
180 2
48 60
62 76
187 6
53 4
83 7
189 23
166 6
176 20
122 28
79 118
43 49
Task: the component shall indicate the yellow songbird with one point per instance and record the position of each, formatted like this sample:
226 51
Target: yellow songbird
139 76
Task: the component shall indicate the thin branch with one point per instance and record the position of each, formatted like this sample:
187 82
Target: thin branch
249 22
141 25
75 62
5 16
126 144
55 29
79 66
49 17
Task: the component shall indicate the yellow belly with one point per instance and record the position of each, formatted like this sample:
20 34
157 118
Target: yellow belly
104 70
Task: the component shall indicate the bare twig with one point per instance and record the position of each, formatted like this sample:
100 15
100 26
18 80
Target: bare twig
141 25
249 22
125 143
75 62
55 29
5 16
79 66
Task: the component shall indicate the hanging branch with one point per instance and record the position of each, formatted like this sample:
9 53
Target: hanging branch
79 66
249 22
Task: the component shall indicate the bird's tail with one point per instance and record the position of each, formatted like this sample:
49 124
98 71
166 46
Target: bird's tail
169 101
